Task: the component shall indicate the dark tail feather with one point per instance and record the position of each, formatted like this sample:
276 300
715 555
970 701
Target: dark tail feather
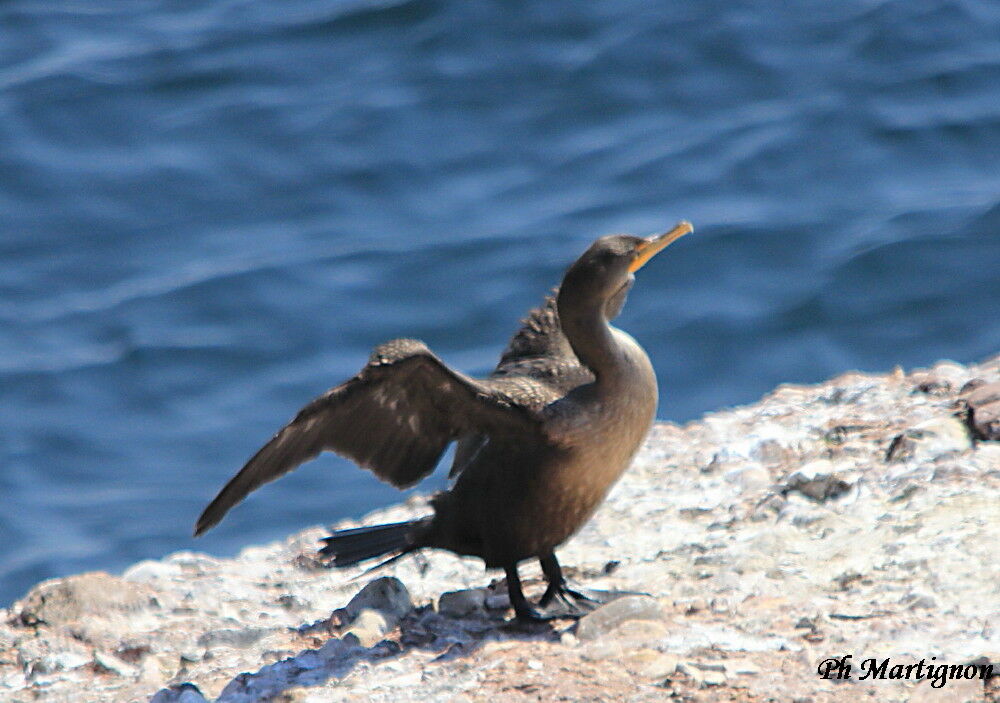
348 547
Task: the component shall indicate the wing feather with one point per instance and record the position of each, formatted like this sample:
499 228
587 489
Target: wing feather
396 417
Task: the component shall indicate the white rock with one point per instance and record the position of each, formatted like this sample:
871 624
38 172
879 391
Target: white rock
458 604
180 693
497 601
741 666
387 595
749 477
113 664
370 627
713 678
61 661
662 667
931 439
818 480
149 570
954 373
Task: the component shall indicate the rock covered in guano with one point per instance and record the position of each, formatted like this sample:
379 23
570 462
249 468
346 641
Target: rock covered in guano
853 517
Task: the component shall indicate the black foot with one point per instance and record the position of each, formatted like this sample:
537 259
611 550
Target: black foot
562 601
529 615
565 602
524 612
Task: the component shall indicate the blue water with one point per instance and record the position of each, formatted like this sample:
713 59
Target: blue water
211 211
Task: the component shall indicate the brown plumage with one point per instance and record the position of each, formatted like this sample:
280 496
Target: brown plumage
539 442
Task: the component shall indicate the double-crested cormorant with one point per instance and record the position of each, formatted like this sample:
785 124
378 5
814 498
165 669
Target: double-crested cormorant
539 443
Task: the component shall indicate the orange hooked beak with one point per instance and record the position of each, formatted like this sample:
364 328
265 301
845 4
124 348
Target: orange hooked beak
657 243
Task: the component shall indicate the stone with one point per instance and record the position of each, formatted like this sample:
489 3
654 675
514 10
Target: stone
984 395
770 452
713 678
179 693
916 600
610 615
930 439
817 480
497 601
694 605
246 637
749 478
688 669
985 421
370 627
113 665
741 667
929 382
69 600
459 604
661 667
387 595
149 571
638 632
60 661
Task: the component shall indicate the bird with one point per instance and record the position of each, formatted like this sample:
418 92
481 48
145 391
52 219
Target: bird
538 443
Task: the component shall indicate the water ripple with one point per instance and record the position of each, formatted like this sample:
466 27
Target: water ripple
210 212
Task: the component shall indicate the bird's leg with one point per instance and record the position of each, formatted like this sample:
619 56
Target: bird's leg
571 602
522 608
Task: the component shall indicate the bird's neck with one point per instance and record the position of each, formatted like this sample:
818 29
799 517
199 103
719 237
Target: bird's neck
592 339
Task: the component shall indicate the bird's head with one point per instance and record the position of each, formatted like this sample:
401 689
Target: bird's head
603 275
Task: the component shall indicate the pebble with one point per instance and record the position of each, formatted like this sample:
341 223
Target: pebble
74 598
720 606
148 571
694 605
692 672
498 601
817 480
749 478
387 595
369 627
915 600
112 664
179 693
459 604
986 394
60 661
713 678
610 615
930 439
662 667
246 637
743 667
986 420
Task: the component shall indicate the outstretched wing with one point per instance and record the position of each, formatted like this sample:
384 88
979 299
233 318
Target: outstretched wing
396 417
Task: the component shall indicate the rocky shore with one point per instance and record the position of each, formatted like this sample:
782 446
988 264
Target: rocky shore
856 517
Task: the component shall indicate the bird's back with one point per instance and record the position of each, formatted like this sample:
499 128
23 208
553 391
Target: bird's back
539 351
537 368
